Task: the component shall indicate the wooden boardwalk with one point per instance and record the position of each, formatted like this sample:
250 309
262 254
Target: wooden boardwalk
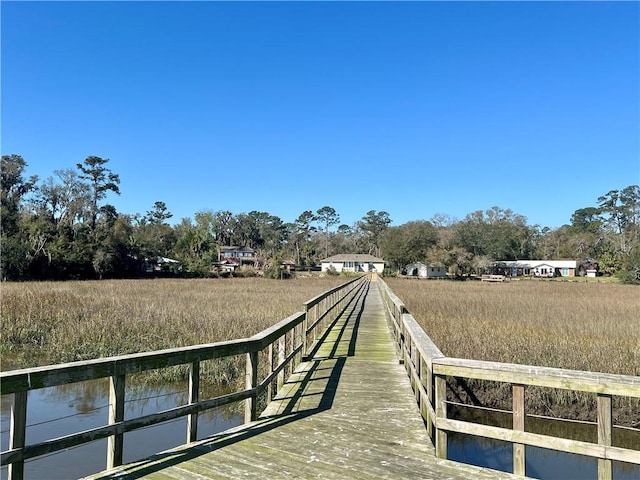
348 412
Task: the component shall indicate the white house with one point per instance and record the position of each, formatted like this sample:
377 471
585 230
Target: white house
426 271
353 262
539 268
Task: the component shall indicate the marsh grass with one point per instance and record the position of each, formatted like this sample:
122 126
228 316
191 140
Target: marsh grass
56 322
578 326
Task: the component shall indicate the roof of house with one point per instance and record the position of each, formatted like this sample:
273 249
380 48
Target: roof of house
236 249
420 264
353 257
167 260
538 263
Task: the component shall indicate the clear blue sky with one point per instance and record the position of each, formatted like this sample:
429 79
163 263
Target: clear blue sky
414 108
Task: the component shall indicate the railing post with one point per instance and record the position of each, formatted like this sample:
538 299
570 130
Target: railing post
291 365
604 434
194 387
418 380
316 316
270 358
281 356
305 325
251 381
116 414
428 381
441 412
518 424
17 432
299 333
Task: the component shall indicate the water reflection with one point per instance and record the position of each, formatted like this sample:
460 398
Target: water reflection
57 411
541 463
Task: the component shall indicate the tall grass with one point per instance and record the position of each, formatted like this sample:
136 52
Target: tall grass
47 322
578 326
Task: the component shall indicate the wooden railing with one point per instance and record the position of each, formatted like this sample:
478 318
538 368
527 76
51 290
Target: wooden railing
282 347
428 369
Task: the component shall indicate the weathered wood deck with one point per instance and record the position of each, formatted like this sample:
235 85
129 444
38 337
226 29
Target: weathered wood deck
348 412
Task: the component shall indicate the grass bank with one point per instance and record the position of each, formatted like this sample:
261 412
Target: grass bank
55 322
575 325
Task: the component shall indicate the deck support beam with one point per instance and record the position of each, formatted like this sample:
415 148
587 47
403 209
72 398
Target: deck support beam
251 382
115 443
518 424
194 395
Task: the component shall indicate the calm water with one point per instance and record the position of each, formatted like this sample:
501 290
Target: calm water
540 462
80 407
54 412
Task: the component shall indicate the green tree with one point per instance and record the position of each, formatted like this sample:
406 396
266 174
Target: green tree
195 246
407 243
101 180
620 211
153 237
114 254
327 216
373 224
223 229
158 215
14 261
302 230
496 233
586 220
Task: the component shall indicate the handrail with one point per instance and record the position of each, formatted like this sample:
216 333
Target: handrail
322 309
428 369
286 343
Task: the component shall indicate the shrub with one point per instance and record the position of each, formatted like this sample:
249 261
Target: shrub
332 270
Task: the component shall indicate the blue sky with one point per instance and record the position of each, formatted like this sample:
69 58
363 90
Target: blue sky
414 108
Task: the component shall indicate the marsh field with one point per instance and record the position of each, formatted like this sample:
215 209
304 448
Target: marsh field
592 326
579 326
55 322
574 325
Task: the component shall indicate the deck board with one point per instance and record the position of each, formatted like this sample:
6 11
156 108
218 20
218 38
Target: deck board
348 412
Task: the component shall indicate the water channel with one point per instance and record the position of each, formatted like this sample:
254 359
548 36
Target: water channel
58 411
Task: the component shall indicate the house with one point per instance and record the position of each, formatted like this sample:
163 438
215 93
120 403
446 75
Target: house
426 271
162 264
353 262
223 267
288 265
537 268
237 256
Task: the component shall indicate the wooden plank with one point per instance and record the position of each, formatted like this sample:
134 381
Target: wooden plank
72 440
281 358
17 432
330 420
348 286
21 381
116 415
428 350
441 416
543 441
194 392
263 339
251 381
52 375
604 435
518 425
610 384
279 368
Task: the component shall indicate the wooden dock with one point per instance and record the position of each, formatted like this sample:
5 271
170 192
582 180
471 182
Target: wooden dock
347 412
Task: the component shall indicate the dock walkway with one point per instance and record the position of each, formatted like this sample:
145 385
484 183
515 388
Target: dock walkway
346 413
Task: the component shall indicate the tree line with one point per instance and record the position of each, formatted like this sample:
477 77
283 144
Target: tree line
63 228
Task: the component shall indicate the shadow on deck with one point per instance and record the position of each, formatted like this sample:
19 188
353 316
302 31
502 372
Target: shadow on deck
347 412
